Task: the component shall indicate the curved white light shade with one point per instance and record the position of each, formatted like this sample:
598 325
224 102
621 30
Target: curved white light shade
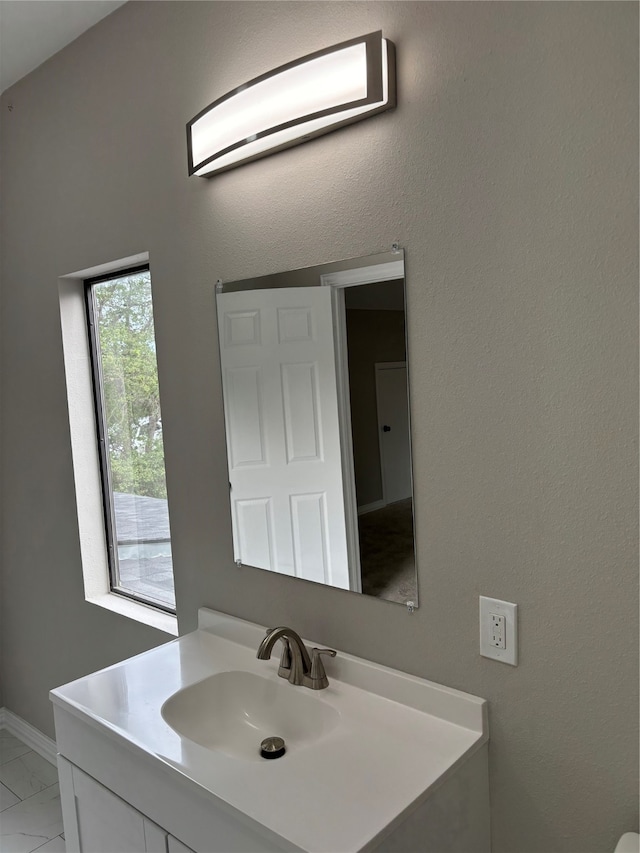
296 102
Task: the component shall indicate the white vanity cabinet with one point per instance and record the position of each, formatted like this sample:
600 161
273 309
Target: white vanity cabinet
96 820
150 761
454 818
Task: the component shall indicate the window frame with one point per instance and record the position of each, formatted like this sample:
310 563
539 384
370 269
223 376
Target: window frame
97 387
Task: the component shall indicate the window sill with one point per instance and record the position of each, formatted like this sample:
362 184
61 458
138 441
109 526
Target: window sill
139 612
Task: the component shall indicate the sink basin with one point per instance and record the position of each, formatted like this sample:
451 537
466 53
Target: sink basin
234 711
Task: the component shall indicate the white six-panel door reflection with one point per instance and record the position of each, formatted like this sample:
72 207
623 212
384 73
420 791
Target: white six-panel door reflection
283 441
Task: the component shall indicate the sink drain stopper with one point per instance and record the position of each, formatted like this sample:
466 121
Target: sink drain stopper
272 747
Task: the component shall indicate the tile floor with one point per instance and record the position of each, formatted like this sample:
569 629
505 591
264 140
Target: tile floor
30 815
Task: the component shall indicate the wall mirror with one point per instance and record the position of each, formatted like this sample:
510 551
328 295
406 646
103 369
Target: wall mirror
316 403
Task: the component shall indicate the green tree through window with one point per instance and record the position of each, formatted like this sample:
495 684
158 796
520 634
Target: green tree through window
124 319
130 430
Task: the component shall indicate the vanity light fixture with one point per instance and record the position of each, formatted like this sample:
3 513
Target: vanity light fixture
293 103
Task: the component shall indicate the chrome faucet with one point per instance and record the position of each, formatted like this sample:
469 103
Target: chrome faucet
295 663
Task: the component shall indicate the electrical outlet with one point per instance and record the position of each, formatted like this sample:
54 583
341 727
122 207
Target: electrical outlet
499 630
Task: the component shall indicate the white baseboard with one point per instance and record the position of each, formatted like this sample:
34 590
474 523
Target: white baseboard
365 508
29 735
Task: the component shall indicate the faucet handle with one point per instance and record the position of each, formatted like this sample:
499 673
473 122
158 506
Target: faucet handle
318 676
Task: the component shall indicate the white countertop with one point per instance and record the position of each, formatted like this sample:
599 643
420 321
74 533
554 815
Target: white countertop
397 738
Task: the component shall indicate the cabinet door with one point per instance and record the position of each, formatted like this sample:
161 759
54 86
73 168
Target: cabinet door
155 837
175 846
105 822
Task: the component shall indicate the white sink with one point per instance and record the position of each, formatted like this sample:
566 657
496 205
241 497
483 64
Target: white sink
378 751
235 711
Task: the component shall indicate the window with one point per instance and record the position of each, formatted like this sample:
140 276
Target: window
129 431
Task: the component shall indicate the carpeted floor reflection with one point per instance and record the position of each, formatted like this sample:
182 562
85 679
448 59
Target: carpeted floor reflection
386 552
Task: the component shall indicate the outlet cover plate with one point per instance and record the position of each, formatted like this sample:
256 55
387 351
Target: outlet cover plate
489 606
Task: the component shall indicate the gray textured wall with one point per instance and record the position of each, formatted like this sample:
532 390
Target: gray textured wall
509 173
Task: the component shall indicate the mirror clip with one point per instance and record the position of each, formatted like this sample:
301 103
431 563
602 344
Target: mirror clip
219 286
395 247
411 606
